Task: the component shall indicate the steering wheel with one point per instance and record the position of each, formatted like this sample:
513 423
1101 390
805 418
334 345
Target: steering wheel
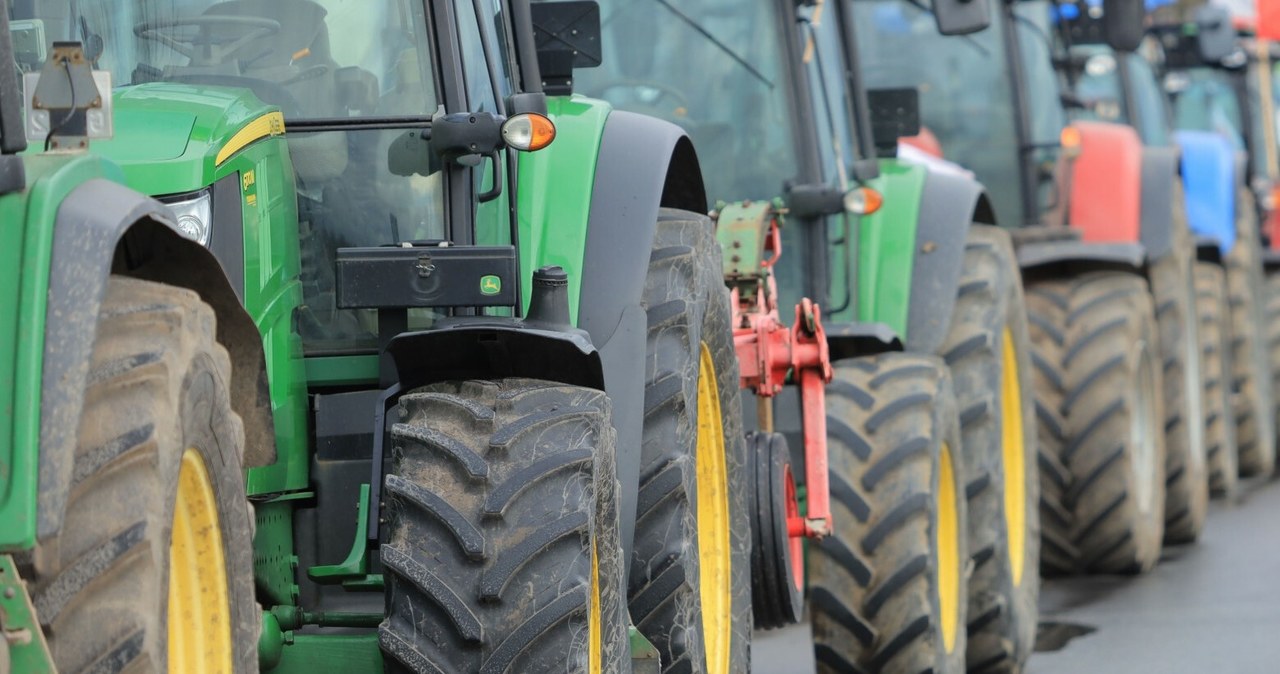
203 49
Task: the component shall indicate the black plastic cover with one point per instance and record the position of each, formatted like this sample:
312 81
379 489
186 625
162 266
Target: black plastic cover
426 276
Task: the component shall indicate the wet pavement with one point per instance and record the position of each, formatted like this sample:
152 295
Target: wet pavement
1213 606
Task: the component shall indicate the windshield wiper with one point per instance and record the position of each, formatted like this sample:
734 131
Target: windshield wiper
715 41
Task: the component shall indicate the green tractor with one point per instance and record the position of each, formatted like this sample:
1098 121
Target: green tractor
379 377
895 256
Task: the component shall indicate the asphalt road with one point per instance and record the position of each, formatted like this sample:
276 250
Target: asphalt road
1213 606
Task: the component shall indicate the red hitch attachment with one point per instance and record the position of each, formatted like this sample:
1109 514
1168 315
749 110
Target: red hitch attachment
768 350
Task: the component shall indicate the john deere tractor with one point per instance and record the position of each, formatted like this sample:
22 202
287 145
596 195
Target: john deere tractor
870 255
411 360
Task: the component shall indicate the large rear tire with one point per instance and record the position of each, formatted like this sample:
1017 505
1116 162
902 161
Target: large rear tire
1098 382
501 549
152 570
887 587
1255 428
1186 471
988 351
690 582
1213 305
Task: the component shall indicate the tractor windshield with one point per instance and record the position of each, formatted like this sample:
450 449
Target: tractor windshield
281 50
1205 100
965 94
716 68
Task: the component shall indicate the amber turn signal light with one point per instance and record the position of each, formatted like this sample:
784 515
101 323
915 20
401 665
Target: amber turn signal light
528 132
863 201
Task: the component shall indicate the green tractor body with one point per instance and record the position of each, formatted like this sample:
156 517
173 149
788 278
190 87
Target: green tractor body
356 214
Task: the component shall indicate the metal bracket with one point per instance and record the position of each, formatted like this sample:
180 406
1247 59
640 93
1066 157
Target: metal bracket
644 657
23 648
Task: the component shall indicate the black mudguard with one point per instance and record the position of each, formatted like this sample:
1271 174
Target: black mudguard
643 165
1056 259
949 204
91 224
1160 201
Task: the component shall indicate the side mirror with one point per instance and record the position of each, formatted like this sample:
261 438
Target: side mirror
1123 21
1215 37
895 113
961 17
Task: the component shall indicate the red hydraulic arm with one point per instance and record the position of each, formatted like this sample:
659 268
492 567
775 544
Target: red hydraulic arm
768 350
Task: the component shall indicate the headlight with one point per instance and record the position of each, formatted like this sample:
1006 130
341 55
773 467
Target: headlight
194 214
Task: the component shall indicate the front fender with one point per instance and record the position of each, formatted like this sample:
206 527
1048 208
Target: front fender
90 225
1208 176
1160 210
911 251
1058 259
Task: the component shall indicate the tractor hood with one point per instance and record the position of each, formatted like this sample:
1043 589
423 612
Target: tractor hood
170 138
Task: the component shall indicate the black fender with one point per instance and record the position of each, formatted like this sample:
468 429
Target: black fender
1160 200
1209 249
643 165
1270 260
1057 259
850 340
491 346
948 205
104 228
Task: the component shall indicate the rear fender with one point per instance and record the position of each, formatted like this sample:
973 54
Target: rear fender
104 228
1209 177
1106 190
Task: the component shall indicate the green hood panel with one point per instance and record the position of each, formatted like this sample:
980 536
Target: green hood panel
167 135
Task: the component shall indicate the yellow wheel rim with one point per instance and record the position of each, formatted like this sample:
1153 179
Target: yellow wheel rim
199 605
948 551
594 655
713 521
1015 466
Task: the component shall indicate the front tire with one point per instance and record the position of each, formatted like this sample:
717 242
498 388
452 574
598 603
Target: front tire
501 548
152 570
1255 429
887 587
1186 472
1220 422
690 583
988 350
1098 400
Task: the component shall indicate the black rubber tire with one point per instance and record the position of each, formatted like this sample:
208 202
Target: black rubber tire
989 307
1273 340
874 582
1255 428
688 307
1095 343
1186 472
1220 422
776 599
157 386
497 494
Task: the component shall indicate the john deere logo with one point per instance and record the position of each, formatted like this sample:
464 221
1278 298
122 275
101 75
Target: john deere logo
490 285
